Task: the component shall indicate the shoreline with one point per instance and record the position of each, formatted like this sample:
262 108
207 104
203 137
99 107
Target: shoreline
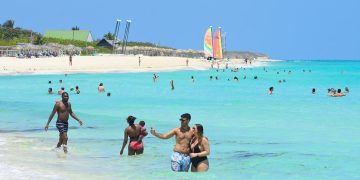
110 64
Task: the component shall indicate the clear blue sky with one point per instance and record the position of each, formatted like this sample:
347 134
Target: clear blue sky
283 29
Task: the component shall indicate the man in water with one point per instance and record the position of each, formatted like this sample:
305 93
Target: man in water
180 160
63 109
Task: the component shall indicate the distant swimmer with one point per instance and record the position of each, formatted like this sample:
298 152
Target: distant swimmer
211 77
172 84
284 80
289 72
338 94
49 82
155 77
346 90
60 81
313 91
216 78
132 132
101 87
192 79
226 65
77 90
255 77
108 94
236 78
63 109
271 89
244 77
61 90
50 91
280 81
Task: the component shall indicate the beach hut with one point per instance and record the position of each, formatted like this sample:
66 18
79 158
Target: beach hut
107 43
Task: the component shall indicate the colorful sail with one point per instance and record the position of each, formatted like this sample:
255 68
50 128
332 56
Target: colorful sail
208 47
218 54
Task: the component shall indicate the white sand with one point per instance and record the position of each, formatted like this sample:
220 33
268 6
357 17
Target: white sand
107 63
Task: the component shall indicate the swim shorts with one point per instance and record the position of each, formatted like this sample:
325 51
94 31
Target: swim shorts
180 162
62 126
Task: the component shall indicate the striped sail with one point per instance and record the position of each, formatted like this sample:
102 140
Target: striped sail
208 48
218 54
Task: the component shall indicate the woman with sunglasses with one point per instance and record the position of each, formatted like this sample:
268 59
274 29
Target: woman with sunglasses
200 149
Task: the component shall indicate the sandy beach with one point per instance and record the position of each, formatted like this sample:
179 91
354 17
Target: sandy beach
108 63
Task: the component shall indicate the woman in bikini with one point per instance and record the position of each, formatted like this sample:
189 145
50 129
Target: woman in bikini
133 132
200 149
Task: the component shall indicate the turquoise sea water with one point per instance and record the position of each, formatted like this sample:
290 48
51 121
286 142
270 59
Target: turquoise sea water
291 134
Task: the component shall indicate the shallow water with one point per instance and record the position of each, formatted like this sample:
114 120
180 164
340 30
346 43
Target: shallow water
291 134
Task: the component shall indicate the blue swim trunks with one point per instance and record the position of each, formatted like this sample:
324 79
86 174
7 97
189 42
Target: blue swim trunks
62 126
180 162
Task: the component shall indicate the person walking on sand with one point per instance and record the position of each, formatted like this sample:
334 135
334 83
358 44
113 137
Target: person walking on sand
200 149
180 160
70 60
133 131
63 109
187 62
139 61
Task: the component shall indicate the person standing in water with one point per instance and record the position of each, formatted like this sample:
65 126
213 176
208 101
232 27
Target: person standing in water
200 149
180 160
133 131
172 84
63 109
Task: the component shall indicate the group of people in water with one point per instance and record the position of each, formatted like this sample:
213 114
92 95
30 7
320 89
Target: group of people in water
101 89
191 146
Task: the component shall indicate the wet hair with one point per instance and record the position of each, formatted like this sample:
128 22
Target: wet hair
339 90
142 123
329 90
186 115
60 81
108 94
76 87
131 120
101 84
62 95
49 82
50 89
313 90
271 88
62 88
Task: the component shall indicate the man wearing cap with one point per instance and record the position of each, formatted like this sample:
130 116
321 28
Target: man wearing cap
180 160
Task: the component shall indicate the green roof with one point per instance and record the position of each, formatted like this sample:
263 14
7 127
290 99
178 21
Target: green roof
81 35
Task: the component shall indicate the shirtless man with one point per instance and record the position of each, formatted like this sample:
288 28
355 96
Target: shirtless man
63 109
180 160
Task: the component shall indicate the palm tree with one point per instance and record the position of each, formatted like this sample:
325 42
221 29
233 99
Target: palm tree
76 28
109 36
9 24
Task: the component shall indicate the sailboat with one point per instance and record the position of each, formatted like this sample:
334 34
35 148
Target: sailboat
213 47
217 46
208 44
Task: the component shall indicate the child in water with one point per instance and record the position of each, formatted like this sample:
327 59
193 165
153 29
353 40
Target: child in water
137 145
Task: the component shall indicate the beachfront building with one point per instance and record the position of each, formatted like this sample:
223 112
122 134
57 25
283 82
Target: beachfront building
107 43
80 35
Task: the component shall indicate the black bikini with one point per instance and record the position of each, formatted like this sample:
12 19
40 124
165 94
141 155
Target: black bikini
197 160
